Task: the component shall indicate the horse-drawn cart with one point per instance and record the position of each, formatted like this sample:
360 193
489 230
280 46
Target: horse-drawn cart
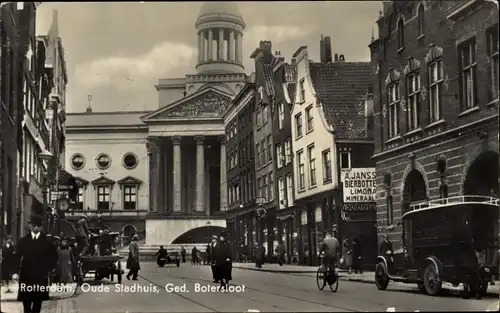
102 260
106 266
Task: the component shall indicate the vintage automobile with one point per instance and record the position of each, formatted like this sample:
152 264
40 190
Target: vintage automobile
445 240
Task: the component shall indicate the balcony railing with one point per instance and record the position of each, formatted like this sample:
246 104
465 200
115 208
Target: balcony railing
455 200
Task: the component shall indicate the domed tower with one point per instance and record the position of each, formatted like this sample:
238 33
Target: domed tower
220 29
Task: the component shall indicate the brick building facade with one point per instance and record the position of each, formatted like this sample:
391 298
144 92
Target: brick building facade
17 28
435 104
241 170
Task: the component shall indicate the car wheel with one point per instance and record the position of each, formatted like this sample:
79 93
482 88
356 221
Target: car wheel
432 281
381 276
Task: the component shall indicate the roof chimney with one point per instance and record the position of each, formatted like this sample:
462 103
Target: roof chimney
328 49
336 57
265 45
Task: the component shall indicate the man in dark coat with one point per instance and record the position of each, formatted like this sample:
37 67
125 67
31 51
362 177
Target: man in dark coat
223 261
357 256
38 256
212 257
83 235
183 254
133 264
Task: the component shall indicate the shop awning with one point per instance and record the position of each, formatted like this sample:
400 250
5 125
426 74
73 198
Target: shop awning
66 181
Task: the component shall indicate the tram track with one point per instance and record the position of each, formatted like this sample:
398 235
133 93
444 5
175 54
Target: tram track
198 280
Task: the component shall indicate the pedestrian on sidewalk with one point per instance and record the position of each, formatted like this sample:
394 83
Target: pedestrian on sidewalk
194 256
183 254
357 256
223 261
260 253
9 260
38 256
65 263
280 251
133 264
212 257
347 255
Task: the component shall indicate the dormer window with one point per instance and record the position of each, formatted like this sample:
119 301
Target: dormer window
401 34
302 90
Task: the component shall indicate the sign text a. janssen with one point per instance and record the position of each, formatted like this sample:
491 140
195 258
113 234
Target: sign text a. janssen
359 185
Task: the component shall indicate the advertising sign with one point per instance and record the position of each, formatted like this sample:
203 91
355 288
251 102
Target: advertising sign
359 185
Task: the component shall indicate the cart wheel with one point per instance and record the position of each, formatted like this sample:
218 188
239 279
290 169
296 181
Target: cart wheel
80 275
120 272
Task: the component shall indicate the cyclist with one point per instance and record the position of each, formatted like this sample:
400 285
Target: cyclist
329 249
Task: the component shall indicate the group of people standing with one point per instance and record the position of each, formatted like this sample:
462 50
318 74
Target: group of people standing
220 257
352 256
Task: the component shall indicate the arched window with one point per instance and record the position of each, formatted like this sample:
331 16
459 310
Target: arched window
401 34
421 20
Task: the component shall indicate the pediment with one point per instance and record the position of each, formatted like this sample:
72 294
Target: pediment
129 180
206 103
103 180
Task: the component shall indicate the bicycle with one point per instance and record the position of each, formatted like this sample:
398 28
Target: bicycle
323 276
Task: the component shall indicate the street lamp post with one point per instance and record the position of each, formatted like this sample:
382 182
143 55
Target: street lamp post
209 230
46 156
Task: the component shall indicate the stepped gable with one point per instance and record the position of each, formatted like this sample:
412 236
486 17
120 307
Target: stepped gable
341 87
291 80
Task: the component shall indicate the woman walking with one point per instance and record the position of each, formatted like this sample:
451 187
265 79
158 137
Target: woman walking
65 263
8 267
347 255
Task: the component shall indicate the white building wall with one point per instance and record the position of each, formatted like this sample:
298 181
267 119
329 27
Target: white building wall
320 137
116 145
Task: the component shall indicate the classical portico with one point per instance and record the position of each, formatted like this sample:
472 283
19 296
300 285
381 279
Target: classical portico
187 175
187 155
187 152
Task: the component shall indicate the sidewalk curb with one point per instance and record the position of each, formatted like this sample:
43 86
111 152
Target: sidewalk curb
274 271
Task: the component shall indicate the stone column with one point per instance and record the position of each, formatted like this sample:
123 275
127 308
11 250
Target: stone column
177 181
204 46
231 46
154 164
210 45
200 46
238 47
223 174
200 175
221 44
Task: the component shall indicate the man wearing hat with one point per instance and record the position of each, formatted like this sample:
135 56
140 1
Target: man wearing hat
82 234
133 264
212 257
385 246
38 256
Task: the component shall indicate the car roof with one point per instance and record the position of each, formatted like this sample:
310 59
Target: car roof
452 202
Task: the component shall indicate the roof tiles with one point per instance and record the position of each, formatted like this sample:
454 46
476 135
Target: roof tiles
341 87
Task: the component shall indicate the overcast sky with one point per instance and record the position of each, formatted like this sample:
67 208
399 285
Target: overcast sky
117 51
